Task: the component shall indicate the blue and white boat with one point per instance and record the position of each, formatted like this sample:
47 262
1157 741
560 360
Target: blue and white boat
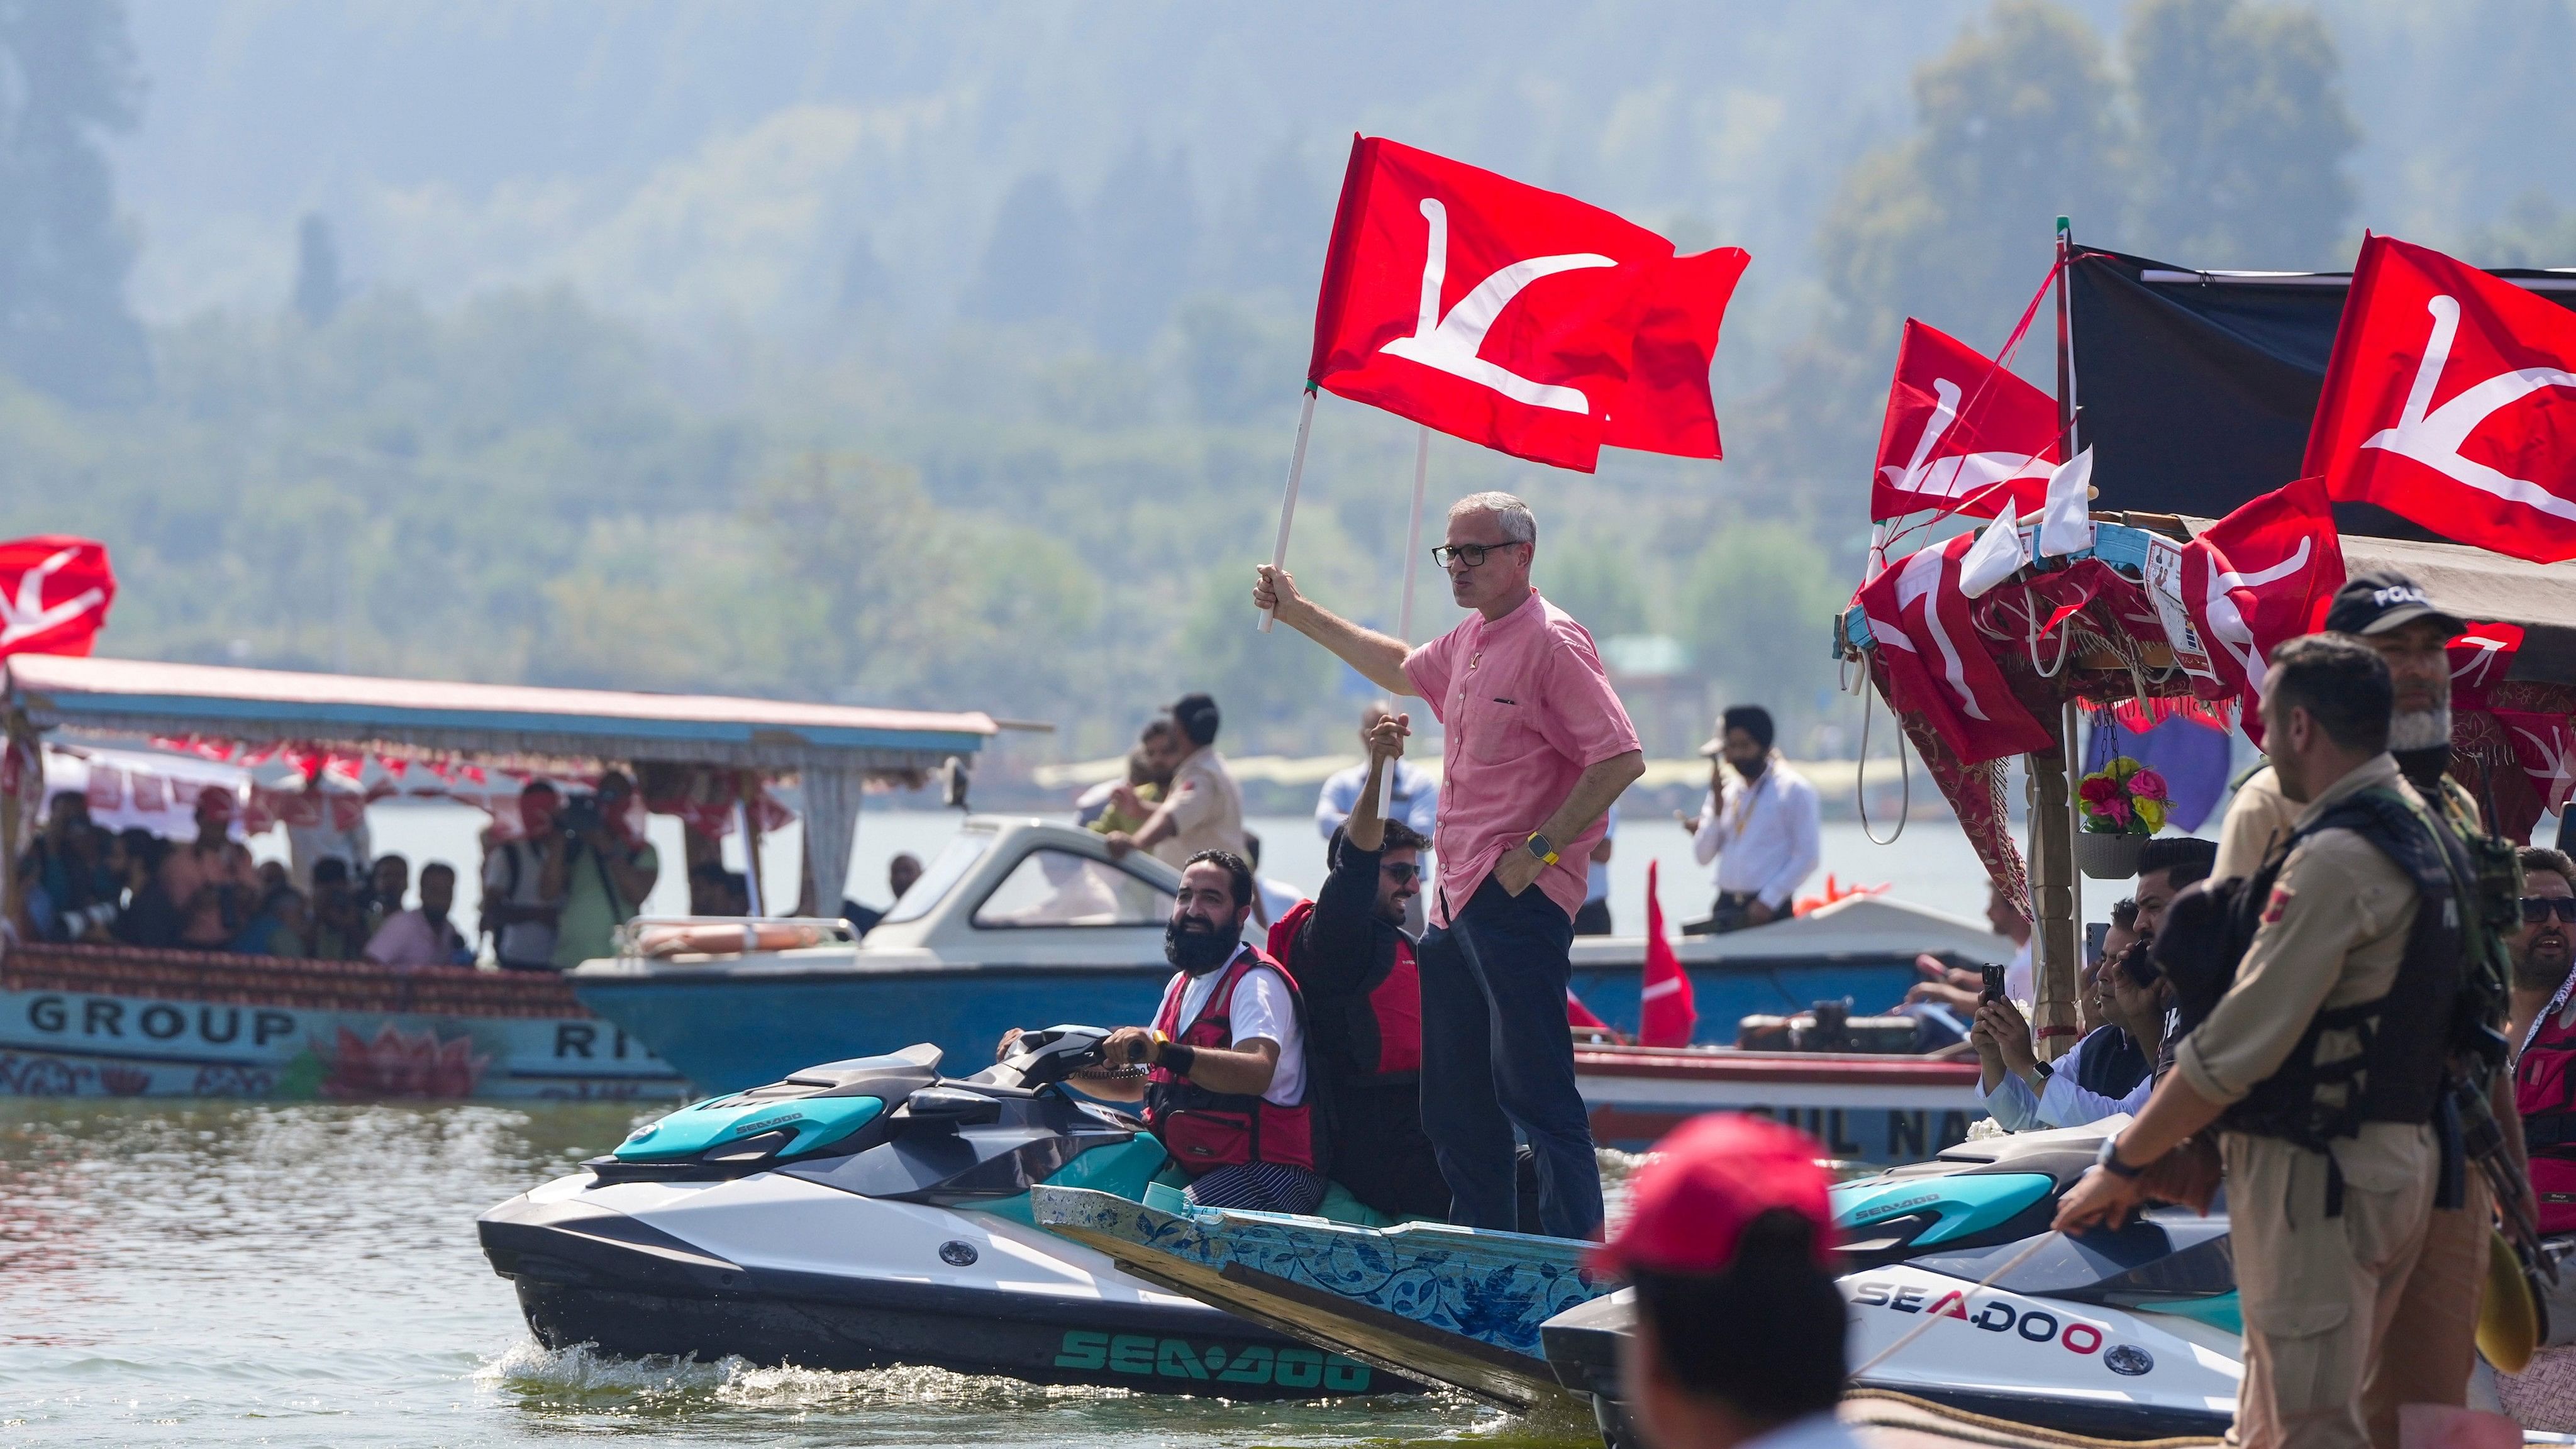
1021 922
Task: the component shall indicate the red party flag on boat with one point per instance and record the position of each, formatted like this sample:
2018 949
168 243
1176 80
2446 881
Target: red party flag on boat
54 593
1963 434
2450 400
1666 1014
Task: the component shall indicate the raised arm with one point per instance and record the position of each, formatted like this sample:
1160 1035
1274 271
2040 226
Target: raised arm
1366 828
1378 658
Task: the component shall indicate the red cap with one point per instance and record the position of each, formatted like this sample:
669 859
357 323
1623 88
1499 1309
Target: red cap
1709 1177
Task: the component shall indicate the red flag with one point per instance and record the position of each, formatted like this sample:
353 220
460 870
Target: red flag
2265 573
2451 400
1962 433
1578 1014
1937 665
1665 1011
54 594
1497 312
2481 657
1667 408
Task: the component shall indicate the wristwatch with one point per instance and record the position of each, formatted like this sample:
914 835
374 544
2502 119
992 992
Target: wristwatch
2108 1159
1538 846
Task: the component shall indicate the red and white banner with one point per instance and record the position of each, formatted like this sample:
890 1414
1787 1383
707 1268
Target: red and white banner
2265 573
2480 658
1666 1014
1514 317
2451 401
1963 434
54 593
1937 664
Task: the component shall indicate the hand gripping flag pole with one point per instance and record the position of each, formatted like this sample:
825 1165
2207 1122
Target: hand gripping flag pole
1288 502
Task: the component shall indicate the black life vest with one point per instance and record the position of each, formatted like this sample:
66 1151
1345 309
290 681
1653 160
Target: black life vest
1205 1130
2401 1043
1380 1028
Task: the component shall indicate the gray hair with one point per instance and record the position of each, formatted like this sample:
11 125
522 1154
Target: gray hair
1519 525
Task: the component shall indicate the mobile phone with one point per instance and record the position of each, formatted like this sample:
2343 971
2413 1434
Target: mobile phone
1994 985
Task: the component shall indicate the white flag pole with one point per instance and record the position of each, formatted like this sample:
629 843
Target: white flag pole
1288 502
1404 614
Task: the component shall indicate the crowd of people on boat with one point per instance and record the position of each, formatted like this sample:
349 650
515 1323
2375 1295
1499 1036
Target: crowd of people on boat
79 882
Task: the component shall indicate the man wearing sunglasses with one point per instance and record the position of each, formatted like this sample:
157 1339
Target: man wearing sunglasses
1350 956
1535 748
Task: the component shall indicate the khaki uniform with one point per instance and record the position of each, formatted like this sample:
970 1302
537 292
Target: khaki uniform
2319 1292
2437 1317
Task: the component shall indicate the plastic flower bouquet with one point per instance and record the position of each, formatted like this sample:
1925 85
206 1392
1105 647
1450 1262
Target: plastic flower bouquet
2124 797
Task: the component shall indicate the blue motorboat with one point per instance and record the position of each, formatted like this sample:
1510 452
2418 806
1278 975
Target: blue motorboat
1022 921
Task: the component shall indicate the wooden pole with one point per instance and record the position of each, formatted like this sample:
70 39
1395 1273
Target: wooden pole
1288 500
2057 934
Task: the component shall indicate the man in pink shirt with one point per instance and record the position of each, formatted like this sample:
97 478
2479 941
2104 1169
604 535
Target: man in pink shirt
1536 749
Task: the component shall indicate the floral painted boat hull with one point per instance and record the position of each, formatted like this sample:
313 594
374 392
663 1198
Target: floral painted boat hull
110 1021
1424 1300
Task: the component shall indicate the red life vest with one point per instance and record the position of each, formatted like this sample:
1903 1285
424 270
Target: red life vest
2544 1092
1206 1130
1383 1026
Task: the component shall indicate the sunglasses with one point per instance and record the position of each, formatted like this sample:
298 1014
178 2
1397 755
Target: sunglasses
1400 871
2536 909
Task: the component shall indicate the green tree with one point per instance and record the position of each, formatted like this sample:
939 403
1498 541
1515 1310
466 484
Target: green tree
2018 122
1761 599
1272 687
67 80
1030 264
317 270
2242 135
1597 583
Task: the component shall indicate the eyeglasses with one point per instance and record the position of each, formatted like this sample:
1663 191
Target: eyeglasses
1400 871
2536 909
1470 554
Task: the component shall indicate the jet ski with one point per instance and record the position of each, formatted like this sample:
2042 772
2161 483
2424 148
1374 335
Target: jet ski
2127 1334
871 1212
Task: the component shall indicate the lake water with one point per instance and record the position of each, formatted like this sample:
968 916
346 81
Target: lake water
181 1273
308 1275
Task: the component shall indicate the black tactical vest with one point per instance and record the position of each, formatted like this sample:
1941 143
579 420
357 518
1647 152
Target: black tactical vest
2384 1060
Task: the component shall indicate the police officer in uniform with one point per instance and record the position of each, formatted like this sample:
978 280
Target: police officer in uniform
2437 1320
2323 1062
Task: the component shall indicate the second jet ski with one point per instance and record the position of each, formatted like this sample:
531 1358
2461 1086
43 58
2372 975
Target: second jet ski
2130 1334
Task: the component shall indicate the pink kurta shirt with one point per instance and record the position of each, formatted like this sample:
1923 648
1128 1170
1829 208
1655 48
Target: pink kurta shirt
1525 709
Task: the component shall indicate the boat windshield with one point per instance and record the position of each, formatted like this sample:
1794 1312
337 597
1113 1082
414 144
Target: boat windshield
941 877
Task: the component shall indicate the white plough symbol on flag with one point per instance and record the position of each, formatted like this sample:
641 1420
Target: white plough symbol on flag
2432 436
28 614
1451 343
1962 473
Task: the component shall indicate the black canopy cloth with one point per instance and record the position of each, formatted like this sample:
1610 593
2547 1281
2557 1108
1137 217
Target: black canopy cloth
2197 387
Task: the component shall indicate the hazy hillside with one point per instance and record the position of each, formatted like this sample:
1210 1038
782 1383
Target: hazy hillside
945 354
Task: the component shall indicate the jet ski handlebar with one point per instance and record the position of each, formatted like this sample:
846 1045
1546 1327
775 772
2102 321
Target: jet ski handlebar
1043 1058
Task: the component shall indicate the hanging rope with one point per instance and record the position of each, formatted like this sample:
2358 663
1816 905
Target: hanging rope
1860 776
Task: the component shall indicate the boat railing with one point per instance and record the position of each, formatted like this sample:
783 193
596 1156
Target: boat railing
225 978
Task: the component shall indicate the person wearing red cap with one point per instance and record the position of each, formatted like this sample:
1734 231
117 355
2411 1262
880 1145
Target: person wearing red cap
1740 1327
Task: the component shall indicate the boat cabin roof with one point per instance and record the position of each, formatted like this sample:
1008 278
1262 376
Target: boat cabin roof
363 713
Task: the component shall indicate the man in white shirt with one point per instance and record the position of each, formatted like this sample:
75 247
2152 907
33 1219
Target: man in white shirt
1762 829
1415 795
1203 810
1227 1093
1740 1332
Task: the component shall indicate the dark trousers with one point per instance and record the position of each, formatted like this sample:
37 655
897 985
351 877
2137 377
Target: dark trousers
1496 1055
1593 919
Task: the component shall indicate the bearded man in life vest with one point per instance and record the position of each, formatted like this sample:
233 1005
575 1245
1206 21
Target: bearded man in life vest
1226 1092
1349 953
